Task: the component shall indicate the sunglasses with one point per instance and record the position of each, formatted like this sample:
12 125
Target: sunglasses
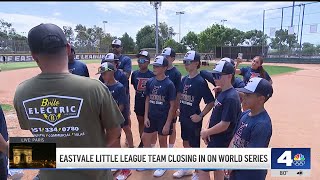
218 76
141 61
104 69
115 46
187 62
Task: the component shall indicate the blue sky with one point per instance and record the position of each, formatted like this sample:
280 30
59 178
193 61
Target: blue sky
131 16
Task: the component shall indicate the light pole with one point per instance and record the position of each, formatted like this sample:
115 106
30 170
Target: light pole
179 13
104 25
156 5
223 20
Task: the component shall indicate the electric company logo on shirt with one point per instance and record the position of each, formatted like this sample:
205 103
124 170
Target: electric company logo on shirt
53 109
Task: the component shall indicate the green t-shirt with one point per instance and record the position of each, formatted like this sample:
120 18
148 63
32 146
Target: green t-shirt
74 110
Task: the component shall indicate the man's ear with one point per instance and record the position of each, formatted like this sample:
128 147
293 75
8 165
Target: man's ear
68 48
35 57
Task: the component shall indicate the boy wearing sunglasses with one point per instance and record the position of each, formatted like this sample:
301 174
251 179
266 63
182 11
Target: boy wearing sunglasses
193 88
224 117
159 107
254 128
139 79
236 81
107 71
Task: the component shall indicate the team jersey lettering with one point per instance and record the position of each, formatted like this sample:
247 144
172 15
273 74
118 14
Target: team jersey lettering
141 86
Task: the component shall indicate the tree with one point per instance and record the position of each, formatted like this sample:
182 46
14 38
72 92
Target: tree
255 38
308 49
233 37
128 43
283 42
211 37
68 31
191 40
145 37
179 48
82 37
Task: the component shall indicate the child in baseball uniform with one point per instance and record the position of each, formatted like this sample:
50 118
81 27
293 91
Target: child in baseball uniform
254 128
224 117
193 88
107 71
159 107
139 80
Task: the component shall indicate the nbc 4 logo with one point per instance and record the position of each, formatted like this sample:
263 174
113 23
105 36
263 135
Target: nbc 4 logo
298 159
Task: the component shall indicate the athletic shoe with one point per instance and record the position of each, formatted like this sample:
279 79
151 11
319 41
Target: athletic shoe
159 172
180 173
195 176
124 174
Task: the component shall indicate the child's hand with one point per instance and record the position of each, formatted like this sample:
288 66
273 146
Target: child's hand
147 122
196 118
166 128
205 136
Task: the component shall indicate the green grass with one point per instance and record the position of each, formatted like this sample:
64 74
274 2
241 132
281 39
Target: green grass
6 107
272 70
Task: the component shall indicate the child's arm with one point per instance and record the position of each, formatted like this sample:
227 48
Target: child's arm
206 110
166 127
146 111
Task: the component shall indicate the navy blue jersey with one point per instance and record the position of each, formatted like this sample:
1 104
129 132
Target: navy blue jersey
252 132
118 93
78 68
238 83
175 76
3 126
139 81
248 73
227 107
160 93
192 91
125 64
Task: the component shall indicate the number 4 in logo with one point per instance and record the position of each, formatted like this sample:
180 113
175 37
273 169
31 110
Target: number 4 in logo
285 158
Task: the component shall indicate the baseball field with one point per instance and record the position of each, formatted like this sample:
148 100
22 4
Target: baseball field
295 119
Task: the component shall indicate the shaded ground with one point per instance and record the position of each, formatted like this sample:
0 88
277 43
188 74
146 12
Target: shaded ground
293 110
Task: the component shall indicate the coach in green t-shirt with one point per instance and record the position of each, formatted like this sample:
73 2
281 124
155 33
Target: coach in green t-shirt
74 110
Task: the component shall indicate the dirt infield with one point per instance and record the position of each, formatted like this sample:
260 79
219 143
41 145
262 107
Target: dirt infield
295 119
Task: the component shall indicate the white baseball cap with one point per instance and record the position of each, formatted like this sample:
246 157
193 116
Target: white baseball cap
116 42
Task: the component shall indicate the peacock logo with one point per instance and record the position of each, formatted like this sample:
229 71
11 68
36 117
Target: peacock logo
299 160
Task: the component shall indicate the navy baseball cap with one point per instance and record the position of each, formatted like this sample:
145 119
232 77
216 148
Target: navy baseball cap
191 56
144 53
168 51
107 66
258 85
224 67
160 61
46 38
